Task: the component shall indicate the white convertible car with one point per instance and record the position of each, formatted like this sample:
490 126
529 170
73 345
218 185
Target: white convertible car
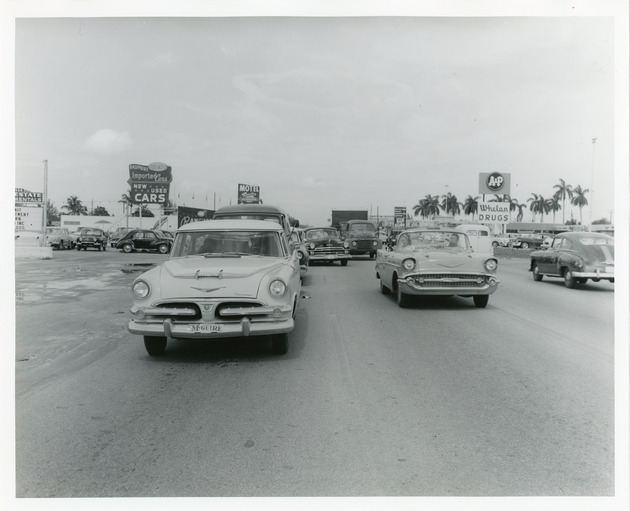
436 262
223 278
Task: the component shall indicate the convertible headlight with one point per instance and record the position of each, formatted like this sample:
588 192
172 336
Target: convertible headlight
491 264
277 287
140 289
409 264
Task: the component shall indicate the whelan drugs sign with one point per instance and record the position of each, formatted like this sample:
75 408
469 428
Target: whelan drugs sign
494 212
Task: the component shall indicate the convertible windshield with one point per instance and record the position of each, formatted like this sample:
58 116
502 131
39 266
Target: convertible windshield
208 243
432 240
312 234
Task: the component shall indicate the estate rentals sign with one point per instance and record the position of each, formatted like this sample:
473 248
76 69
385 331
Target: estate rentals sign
248 194
150 184
29 210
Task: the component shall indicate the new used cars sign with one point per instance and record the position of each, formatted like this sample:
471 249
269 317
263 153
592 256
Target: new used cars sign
150 184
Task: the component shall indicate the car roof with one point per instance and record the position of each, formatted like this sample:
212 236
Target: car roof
249 208
583 234
231 225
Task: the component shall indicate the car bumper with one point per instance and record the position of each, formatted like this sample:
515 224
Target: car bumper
243 328
448 287
329 257
597 274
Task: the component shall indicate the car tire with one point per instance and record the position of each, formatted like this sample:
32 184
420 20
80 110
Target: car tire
127 248
104 247
384 289
525 245
155 346
569 280
344 262
402 299
280 343
481 300
495 244
163 248
536 274
583 281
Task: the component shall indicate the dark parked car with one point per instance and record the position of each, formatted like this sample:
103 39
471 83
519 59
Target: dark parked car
325 244
529 241
91 237
145 239
117 234
576 257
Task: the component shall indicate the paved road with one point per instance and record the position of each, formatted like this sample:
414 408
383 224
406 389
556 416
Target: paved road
439 399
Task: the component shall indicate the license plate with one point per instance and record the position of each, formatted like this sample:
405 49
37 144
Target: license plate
330 257
209 328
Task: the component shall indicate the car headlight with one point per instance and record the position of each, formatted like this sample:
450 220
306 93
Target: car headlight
491 264
346 245
375 243
277 287
409 264
312 245
140 289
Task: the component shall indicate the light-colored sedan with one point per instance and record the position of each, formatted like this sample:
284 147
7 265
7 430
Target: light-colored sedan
223 278
436 262
59 238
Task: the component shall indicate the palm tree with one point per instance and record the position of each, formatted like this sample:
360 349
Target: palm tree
126 200
554 206
579 199
520 207
429 206
538 204
74 206
563 191
471 205
450 204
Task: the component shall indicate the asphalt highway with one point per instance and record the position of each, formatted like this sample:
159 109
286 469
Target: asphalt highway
440 399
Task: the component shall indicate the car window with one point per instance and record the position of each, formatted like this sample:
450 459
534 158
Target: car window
137 235
150 235
257 243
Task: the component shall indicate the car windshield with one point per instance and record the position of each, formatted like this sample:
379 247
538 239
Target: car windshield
217 243
250 216
434 240
361 228
55 231
91 232
313 234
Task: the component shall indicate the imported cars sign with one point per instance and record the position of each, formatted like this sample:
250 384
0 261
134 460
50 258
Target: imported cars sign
150 184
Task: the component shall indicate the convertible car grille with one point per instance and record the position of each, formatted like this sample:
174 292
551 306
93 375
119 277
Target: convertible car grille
455 280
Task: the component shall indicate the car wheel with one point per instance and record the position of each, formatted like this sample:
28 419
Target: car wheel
372 255
127 247
536 274
569 279
384 289
104 247
155 346
481 300
163 249
495 244
525 246
344 262
280 343
401 298
99 248
61 247
583 281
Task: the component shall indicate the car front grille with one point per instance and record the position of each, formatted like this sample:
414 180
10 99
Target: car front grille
328 251
363 244
450 280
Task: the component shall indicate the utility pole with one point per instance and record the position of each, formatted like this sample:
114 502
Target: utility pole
45 205
590 228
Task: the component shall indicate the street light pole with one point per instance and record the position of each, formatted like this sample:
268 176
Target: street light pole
590 227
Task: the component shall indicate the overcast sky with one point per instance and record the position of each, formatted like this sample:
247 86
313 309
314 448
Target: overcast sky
321 112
